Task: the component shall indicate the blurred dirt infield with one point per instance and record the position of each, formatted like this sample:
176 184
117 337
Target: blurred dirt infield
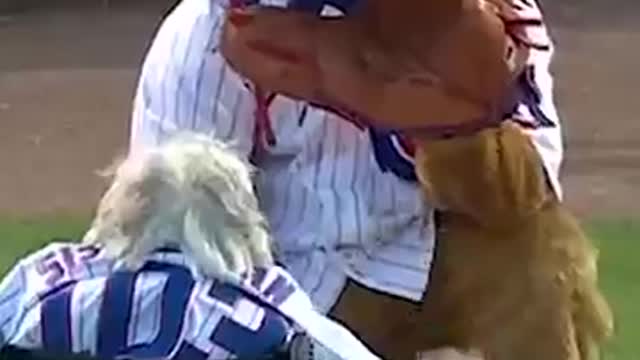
67 78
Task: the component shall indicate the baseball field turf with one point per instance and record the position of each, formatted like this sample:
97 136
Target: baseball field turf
619 243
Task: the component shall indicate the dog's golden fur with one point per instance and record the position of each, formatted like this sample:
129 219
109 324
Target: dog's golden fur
515 276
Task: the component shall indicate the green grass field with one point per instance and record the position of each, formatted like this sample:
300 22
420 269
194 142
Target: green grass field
619 242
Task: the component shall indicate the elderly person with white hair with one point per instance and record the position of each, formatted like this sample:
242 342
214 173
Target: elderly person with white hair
176 265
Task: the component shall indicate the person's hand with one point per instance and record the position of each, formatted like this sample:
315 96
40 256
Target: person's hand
402 64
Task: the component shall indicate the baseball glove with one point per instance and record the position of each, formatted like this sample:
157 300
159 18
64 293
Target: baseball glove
390 62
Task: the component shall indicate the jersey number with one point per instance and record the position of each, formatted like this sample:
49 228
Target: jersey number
58 265
116 316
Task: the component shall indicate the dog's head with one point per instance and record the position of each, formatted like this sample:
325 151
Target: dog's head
191 193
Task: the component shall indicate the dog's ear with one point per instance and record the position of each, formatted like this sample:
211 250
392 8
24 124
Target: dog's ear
498 175
110 170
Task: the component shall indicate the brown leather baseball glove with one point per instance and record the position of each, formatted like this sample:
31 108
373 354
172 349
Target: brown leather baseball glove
439 66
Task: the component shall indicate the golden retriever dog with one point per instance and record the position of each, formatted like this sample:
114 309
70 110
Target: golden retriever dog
514 279
515 276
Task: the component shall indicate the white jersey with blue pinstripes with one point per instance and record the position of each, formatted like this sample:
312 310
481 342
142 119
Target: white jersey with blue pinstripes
71 299
66 299
335 195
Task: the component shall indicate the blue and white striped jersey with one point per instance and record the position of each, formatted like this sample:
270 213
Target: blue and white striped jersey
336 196
69 298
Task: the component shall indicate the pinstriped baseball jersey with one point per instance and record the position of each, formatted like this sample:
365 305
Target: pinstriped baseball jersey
536 110
72 299
342 202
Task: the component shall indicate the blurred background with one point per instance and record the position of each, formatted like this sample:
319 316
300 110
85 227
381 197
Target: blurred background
68 70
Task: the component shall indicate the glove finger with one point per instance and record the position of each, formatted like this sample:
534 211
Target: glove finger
339 63
299 55
274 48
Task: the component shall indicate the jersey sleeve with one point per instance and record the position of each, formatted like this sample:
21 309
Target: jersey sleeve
22 288
44 280
535 110
186 85
13 295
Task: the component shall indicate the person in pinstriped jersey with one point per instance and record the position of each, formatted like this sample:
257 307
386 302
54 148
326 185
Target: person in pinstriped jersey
317 181
343 203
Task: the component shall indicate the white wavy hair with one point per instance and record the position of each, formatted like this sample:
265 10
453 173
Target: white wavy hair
192 193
